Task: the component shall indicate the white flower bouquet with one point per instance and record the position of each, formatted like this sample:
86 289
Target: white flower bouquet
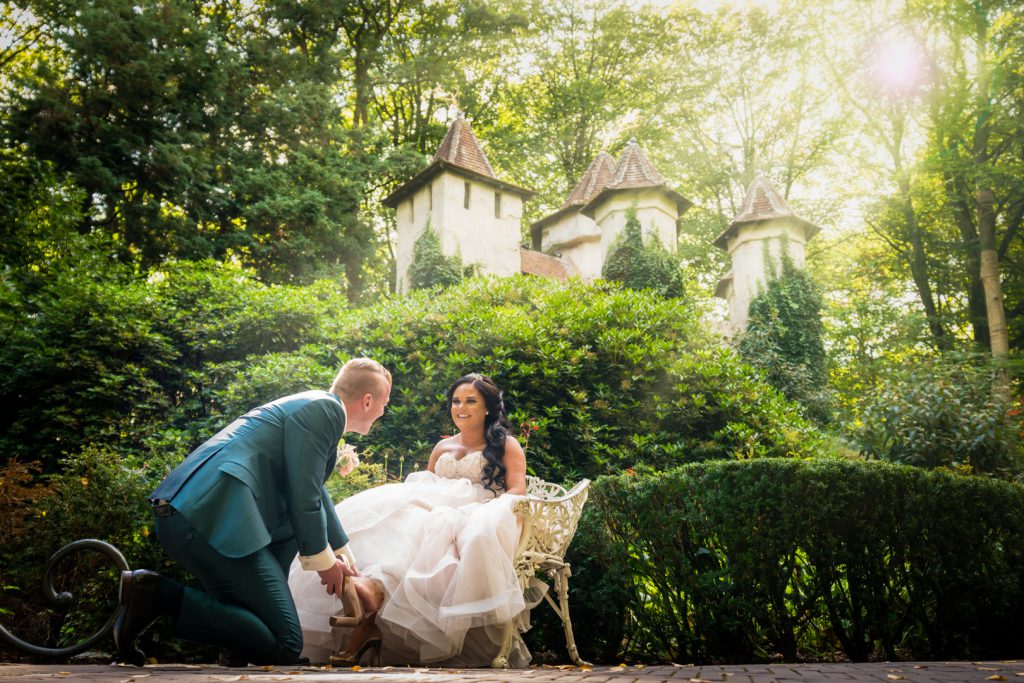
348 459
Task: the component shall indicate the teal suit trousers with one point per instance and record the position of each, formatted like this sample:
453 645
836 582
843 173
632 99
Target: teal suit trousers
247 501
247 606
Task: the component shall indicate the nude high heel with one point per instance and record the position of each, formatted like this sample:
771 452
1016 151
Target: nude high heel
350 602
372 643
355 615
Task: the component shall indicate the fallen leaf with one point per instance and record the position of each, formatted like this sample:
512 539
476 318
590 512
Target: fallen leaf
63 673
920 666
987 668
586 668
995 677
894 677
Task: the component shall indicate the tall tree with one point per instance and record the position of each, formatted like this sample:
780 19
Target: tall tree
590 72
975 117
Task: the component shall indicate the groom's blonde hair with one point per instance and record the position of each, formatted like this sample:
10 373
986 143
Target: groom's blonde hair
361 376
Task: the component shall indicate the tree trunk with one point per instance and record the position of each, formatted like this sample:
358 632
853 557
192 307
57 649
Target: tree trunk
990 275
959 197
917 260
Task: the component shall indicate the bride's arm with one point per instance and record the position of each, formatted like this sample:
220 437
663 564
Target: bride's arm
515 467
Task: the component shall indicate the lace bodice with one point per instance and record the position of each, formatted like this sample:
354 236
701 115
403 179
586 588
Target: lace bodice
470 466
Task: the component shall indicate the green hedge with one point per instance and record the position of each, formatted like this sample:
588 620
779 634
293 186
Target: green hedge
597 378
795 559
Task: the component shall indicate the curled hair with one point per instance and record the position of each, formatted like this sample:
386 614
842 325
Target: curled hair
496 427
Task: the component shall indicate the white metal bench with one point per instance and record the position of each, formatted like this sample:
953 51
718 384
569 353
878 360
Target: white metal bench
550 516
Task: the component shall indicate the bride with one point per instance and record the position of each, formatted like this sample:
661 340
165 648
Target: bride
437 583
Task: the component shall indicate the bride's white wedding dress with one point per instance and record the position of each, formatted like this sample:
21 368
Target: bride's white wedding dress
442 545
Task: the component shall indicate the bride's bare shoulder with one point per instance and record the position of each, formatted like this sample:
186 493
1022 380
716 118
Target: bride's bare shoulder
440 448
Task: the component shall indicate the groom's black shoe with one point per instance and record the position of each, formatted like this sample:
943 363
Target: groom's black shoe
138 610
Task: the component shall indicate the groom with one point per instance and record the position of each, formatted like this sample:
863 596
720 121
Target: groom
237 511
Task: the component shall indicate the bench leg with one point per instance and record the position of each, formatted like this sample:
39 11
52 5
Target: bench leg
501 660
562 587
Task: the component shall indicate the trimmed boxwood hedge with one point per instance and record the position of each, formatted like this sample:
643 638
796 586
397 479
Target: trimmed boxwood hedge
798 559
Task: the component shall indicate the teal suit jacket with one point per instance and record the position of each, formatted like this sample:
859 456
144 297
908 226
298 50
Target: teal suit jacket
261 479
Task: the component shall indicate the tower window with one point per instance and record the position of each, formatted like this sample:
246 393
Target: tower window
430 197
412 209
497 205
465 200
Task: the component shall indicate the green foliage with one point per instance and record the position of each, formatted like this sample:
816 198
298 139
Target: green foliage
643 264
38 213
819 559
941 412
96 495
597 378
366 476
430 267
785 337
119 361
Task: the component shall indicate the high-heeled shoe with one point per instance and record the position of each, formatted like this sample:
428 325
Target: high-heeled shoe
355 613
350 602
372 643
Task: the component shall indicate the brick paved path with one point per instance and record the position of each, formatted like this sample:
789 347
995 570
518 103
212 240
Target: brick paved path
885 672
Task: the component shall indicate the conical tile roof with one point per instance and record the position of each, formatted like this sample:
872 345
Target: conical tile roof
594 179
634 171
763 203
461 148
459 152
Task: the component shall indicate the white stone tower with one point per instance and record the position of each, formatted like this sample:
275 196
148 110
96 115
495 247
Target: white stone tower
636 183
584 228
570 235
475 214
755 240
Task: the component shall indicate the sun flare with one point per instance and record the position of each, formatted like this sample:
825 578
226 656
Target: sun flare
898 65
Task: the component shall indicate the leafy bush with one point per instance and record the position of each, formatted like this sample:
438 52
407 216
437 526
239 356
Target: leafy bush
430 267
785 338
597 378
118 361
643 264
743 561
940 412
97 495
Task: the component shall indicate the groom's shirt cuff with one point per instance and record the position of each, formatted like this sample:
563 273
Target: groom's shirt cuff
319 562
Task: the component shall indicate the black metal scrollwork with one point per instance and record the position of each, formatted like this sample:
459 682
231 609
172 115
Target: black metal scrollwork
64 598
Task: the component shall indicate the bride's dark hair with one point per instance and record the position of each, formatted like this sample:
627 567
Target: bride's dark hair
496 426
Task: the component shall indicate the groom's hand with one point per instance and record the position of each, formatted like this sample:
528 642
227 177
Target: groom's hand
334 577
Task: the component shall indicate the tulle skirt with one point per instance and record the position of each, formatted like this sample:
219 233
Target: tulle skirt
443 548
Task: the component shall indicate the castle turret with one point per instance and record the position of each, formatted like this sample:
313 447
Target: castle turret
475 214
569 234
636 182
754 240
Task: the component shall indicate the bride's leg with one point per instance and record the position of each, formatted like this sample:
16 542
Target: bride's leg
371 594
365 633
